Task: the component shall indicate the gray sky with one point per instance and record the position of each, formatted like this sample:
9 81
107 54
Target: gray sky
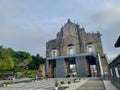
28 24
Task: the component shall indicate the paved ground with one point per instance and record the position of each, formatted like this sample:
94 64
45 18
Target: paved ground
38 85
76 85
109 85
84 84
93 84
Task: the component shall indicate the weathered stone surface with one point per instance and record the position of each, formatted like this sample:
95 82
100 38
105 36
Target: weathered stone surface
73 36
72 33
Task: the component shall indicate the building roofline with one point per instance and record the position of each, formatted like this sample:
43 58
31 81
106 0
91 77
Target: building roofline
117 44
114 59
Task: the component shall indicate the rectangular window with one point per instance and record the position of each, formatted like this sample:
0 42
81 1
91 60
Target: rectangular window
117 73
111 72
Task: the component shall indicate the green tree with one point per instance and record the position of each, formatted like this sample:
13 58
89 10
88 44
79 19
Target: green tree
6 62
36 61
21 55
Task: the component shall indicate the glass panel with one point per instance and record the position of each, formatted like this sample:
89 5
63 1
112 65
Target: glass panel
93 70
90 49
71 51
54 52
117 74
111 72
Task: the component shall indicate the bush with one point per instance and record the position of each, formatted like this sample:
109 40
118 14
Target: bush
56 83
29 73
69 82
80 78
33 79
6 83
62 82
74 80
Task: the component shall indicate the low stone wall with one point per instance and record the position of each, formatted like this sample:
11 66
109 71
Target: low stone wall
114 68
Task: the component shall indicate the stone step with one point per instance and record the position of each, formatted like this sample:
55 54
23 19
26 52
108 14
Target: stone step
93 84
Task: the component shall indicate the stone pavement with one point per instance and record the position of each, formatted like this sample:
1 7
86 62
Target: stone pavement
76 85
84 84
109 85
92 84
35 85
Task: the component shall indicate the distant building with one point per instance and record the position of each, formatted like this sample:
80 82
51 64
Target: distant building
117 44
73 47
114 68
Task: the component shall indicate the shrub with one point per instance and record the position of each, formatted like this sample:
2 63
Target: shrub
62 82
79 78
6 83
69 82
74 80
56 83
29 73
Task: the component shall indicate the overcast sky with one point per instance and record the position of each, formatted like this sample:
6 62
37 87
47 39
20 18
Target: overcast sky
29 24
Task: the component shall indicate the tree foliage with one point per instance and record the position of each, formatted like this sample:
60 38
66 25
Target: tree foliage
6 62
36 61
20 56
10 59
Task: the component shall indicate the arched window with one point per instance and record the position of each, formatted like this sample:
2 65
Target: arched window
71 49
90 48
54 52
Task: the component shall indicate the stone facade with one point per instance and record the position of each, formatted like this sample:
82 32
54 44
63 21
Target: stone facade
72 35
41 70
73 40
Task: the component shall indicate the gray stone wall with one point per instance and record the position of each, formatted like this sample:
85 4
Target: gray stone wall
81 66
72 33
60 71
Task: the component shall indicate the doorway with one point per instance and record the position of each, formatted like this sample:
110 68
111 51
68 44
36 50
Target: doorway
70 67
52 68
91 66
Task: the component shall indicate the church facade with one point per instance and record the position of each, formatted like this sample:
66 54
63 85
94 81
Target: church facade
75 52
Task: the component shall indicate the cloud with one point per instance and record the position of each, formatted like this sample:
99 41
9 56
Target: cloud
107 15
107 21
28 24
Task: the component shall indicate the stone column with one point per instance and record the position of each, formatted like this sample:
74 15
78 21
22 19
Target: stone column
47 65
100 64
66 67
60 68
98 68
50 69
81 67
